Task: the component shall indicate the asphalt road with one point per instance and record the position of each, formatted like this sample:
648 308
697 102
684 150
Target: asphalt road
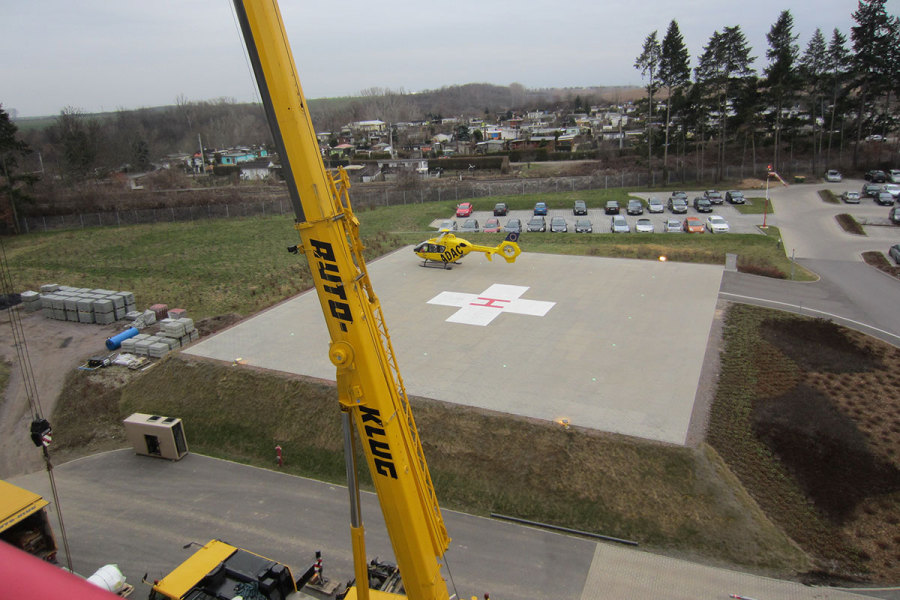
138 512
848 291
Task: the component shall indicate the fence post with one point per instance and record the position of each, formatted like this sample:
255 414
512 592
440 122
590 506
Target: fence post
81 216
172 208
226 210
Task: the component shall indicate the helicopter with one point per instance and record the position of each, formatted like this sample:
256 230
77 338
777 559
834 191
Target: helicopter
446 249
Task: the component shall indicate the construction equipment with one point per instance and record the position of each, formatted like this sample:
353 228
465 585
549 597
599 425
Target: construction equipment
370 389
24 522
220 570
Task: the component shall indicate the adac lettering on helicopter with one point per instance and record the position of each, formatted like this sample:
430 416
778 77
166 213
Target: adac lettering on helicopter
330 274
454 253
375 436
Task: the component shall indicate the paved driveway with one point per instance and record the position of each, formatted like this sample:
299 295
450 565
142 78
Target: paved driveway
809 228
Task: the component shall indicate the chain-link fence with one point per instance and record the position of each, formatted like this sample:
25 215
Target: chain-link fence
363 196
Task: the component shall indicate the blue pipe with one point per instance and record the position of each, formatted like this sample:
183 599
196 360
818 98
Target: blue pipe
116 340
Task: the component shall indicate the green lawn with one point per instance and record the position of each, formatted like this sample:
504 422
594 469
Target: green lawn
241 264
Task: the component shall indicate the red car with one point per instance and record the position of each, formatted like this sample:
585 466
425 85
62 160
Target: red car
464 210
492 225
693 225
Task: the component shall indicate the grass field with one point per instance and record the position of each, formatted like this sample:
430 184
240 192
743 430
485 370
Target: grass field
241 265
815 436
679 500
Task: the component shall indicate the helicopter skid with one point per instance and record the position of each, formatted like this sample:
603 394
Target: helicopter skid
433 264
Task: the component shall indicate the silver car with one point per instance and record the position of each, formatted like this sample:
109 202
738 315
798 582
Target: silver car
655 205
643 225
672 226
850 197
470 226
618 224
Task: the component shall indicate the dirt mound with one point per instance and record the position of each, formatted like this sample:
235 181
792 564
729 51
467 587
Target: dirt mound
819 345
752 184
210 325
824 449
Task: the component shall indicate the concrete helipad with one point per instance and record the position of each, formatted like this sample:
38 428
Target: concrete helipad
610 344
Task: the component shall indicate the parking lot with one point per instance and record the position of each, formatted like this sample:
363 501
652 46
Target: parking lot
600 221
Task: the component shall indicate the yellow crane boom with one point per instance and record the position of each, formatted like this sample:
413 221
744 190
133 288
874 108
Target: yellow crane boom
370 388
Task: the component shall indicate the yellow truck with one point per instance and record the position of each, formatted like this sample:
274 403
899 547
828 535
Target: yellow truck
220 570
24 522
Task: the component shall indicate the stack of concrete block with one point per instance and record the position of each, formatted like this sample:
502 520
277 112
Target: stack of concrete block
31 301
181 329
154 346
85 305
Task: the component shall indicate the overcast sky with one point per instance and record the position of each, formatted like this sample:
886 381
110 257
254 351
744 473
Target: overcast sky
100 55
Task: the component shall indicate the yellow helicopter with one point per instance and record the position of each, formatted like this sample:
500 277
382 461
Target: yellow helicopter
446 249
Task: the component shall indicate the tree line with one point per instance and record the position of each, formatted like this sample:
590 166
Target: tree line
844 93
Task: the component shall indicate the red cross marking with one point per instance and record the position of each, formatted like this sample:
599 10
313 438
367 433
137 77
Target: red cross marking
490 302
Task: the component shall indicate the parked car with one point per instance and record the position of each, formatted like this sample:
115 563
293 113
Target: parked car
492 225
672 226
693 225
635 207
876 176
892 188
833 176
894 253
558 225
583 226
678 205
500 209
470 226
894 215
448 225
643 225
680 195
894 175
871 190
464 210
513 226
537 224
702 205
618 224
850 197
540 208
717 224
580 208
714 196
735 197
655 205
612 207
884 199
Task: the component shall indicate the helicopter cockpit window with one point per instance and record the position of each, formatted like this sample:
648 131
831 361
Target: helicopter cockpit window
429 247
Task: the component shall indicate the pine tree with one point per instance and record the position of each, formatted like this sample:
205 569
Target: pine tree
648 64
838 70
13 184
874 58
781 78
674 74
813 67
